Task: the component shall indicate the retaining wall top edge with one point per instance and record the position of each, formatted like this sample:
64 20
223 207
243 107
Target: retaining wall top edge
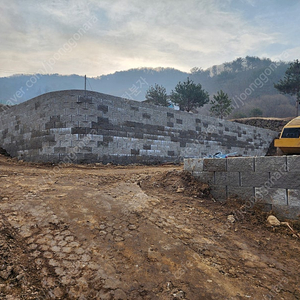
98 95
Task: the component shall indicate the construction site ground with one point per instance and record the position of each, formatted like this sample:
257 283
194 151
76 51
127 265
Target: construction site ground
135 232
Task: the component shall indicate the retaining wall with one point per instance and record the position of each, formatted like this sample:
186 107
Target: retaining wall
74 126
273 181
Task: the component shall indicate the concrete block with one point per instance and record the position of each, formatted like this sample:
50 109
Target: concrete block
271 195
293 197
214 164
261 194
293 163
288 180
219 192
240 164
253 179
284 212
193 165
278 196
244 193
206 177
270 163
227 178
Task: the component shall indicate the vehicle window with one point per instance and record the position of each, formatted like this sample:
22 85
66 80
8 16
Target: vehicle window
291 133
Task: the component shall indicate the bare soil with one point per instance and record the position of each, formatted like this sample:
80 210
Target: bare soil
136 232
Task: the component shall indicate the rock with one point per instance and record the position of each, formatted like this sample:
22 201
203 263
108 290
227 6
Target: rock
120 294
180 190
273 221
6 273
131 227
231 218
58 293
179 295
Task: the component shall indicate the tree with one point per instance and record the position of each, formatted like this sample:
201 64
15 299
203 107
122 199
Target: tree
188 95
221 105
290 84
157 95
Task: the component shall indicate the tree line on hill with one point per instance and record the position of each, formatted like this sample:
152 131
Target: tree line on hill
248 82
190 96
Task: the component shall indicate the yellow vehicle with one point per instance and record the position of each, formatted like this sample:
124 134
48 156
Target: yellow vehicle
289 140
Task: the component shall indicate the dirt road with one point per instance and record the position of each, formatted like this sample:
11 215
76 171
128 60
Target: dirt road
106 232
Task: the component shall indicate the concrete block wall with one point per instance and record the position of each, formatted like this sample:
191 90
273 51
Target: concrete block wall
81 126
270 180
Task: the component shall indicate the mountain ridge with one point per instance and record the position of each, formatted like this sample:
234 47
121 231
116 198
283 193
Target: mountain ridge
234 78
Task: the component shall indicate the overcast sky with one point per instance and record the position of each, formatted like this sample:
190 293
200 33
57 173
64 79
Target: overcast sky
97 37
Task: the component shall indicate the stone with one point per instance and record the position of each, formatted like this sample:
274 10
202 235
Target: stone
231 218
67 249
85 258
79 251
59 271
53 262
48 255
58 293
6 273
120 294
132 227
273 221
69 238
62 243
180 190
179 295
55 249
74 244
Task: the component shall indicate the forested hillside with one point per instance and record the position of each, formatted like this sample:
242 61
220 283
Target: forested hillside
249 82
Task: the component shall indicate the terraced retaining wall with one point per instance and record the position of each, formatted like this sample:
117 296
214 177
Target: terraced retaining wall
270 181
85 127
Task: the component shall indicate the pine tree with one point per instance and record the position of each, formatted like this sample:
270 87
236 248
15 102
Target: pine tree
290 84
157 95
188 95
221 105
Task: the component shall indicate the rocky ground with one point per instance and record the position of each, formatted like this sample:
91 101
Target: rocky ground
136 232
275 124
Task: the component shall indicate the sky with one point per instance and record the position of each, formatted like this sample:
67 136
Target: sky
97 37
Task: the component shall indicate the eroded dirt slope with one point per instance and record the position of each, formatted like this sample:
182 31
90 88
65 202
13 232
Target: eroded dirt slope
93 232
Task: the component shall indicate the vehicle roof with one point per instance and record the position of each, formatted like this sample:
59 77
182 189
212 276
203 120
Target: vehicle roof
293 123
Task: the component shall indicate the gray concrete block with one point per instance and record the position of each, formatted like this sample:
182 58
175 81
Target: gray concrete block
293 163
214 164
261 194
253 179
278 196
244 193
227 178
293 197
219 192
284 212
206 177
288 180
240 164
271 196
193 164
270 163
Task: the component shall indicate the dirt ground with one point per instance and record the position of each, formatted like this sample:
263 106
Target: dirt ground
136 232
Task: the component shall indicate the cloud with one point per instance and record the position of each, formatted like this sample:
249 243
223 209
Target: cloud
131 33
